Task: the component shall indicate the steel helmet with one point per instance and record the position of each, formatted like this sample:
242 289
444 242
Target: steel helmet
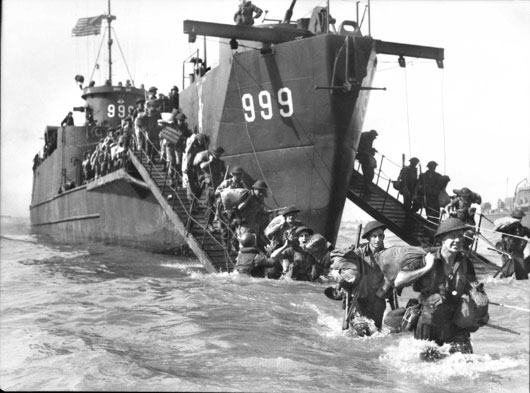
247 239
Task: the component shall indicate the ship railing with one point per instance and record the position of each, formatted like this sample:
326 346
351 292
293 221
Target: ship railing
386 177
190 219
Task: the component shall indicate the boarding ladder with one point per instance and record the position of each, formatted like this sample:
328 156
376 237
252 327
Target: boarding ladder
413 228
188 217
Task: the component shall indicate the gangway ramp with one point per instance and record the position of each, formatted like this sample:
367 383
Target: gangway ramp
189 221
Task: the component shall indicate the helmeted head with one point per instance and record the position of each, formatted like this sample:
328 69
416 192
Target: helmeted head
290 213
518 213
180 117
303 233
432 165
152 89
374 232
247 239
373 133
218 151
464 192
140 101
259 185
414 161
451 233
236 171
372 226
174 89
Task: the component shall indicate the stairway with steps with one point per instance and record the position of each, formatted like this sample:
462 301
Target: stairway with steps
410 227
206 245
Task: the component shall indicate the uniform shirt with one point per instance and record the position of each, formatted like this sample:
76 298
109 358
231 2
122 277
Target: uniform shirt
409 177
367 266
213 172
515 244
430 183
450 285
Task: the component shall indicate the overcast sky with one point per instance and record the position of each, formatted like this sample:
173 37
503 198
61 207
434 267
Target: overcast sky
472 117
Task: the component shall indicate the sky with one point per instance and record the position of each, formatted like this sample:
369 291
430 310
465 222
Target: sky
471 117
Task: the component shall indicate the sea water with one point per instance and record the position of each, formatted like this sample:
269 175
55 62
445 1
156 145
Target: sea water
110 318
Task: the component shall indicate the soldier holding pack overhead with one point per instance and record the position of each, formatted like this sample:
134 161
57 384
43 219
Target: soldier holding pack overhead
448 288
282 227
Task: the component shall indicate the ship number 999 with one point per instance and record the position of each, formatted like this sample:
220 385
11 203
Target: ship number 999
285 100
111 110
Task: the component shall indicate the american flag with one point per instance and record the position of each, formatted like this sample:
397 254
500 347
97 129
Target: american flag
87 26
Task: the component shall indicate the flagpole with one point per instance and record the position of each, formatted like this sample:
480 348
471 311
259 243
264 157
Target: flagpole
109 20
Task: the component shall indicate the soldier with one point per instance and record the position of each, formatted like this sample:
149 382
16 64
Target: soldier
460 207
281 228
446 283
236 181
68 120
366 155
252 262
245 13
429 187
253 211
151 93
152 129
213 170
227 216
359 274
513 243
174 97
408 179
190 172
297 263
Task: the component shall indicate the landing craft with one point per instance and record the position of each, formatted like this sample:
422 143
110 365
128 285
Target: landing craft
287 102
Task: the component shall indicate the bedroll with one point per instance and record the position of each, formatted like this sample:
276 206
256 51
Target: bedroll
231 197
395 259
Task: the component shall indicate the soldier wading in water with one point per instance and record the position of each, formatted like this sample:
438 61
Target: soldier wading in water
453 304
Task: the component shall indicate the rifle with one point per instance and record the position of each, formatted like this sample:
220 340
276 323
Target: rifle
349 295
502 329
346 315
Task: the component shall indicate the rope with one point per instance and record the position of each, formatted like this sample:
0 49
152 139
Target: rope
407 105
250 139
443 121
123 57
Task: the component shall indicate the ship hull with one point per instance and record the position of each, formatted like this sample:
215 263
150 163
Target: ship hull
114 209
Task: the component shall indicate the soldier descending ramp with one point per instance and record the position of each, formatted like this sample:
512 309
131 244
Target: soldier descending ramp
410 227
188 217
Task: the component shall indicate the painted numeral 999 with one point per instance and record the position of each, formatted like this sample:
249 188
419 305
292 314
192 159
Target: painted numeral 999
285 99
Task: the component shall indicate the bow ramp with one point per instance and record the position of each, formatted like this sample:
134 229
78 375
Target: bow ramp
410 227
188 218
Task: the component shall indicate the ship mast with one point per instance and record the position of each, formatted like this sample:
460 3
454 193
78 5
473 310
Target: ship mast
110 18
